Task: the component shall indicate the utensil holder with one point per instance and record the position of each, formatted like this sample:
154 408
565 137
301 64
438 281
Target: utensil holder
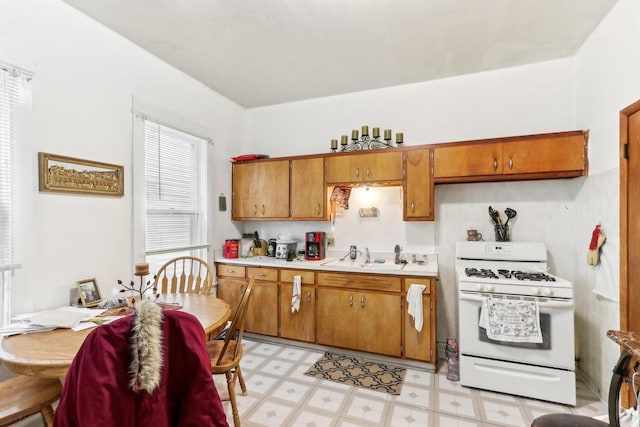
502 232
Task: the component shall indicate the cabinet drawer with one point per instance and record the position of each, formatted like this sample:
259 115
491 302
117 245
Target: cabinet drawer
263 273
307 277
230 270
360 281
408 281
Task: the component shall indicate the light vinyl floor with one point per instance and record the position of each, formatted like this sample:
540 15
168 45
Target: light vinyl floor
279 394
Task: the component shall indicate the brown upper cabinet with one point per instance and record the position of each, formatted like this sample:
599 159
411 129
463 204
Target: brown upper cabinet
362 168
297 188
418 185
308 193
260 190
554 155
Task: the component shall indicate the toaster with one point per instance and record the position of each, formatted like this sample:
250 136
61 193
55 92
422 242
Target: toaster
286 249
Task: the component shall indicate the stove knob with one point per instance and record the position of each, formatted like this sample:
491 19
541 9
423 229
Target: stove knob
547 292
480 287
490 288
535 291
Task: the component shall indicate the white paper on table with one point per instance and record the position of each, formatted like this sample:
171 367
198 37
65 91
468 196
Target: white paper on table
64 317
84 325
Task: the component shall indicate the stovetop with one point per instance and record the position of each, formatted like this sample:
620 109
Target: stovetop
513 282
486 273
514 268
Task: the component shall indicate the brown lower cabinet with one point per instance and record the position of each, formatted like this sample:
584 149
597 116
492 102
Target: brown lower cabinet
420 345
299 325
262 314
359 320
364 312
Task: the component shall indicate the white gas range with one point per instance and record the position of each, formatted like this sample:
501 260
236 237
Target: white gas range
516 321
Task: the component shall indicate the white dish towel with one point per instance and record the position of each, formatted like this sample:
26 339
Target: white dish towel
295 295
513 320
414 299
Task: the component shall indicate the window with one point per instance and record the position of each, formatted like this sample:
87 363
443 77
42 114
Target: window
175 182
15 95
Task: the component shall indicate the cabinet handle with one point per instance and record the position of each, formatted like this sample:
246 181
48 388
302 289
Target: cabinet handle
231 271
362 301
255 209
262 274
262 209
318 209
350 300
368 172
309 296
510 163
413 207
495 164
358 172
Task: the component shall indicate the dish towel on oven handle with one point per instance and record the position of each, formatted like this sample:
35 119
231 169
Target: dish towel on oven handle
414 299
295 295
513 320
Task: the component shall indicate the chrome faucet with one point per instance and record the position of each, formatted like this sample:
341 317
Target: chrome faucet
397 252
367 256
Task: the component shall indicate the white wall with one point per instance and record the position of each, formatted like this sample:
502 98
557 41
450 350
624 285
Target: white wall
607 80
524 100
84 78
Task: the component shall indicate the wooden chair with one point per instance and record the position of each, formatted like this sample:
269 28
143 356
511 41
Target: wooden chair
25 395
226 354
183 275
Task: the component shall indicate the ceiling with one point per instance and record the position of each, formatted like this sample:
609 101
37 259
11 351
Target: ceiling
265 52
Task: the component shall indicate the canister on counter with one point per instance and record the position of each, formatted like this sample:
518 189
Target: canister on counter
231 247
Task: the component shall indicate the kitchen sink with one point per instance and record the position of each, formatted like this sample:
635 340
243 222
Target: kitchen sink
374 266
386 266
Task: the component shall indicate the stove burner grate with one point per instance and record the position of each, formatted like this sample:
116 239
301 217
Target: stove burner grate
523 275
483 273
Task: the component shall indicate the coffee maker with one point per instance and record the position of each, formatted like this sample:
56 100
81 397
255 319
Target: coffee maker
315 245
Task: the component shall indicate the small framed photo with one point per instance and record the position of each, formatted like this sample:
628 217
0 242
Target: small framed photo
89 292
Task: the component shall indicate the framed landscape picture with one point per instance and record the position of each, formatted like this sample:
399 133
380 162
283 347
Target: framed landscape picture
70 175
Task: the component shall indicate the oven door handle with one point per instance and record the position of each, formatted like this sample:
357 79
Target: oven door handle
542 304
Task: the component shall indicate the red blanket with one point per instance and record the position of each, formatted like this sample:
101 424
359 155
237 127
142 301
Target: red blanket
96 391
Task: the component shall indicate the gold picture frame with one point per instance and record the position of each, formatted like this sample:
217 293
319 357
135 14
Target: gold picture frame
64 174
89 292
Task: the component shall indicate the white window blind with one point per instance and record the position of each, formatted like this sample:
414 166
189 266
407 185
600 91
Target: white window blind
13 93
176 194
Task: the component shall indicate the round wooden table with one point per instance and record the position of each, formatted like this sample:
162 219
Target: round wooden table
49 354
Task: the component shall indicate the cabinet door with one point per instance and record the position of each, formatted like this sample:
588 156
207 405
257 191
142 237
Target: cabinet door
301 324
244 197
337 314
421 345
307 189
381 166
549 154
365 167
343 169
273 188
378 324
260 190
418 345
418 186
230 291
262 313
467 160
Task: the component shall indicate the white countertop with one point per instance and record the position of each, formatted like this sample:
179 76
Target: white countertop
428 268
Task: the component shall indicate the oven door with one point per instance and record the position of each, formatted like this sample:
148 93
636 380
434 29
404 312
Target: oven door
556 323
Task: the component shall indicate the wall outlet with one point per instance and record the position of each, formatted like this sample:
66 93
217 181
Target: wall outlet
331 241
